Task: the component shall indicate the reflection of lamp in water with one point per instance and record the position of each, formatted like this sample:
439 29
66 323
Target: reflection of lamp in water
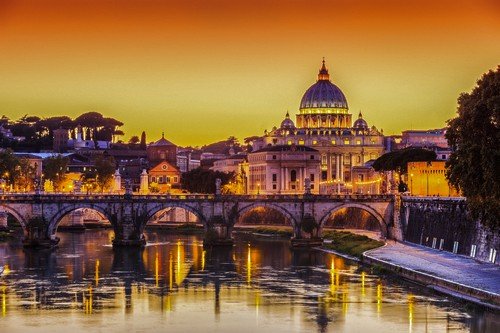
88 301
203 260
363 274
379 296
249 265
170 272
4 301
410 312
97 272
157 278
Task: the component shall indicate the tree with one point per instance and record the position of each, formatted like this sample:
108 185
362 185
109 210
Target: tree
25 175
398 161
143 140
55 170
474 137
104 168
134 140
8 164
203 181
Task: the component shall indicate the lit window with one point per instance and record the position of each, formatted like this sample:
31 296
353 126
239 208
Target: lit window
315 142
334 142
289 142
301 142
346 141
358 142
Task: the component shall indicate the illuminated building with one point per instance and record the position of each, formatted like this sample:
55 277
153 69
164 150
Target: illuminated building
429 179
325 124
283 169
165 175
162 150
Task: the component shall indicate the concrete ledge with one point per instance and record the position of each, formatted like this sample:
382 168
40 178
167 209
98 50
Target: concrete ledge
458 290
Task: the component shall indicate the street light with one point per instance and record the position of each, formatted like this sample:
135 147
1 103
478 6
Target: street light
258 188
411 183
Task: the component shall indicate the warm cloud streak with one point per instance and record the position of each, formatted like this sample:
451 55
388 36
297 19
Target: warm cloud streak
204 70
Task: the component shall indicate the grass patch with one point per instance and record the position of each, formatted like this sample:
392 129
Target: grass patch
349 243
5 236
188 228
273 231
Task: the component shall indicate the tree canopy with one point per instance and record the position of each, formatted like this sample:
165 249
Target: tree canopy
398 160
203 181
474 136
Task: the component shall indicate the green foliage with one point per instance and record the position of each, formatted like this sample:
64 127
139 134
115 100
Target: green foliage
273 231
349 243
54 169
474 136
203 181
104 168
223 147
398 160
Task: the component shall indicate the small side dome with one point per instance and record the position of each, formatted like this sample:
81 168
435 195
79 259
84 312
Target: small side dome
287 123
360 123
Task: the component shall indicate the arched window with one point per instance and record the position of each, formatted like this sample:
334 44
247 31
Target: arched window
293 176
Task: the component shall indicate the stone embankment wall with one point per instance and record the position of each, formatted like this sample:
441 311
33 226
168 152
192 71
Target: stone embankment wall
445 224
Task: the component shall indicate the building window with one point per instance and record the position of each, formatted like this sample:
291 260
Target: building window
274 186
274 157
289 142
346 141
153 179
160 179
168 180
315 142
293 175
323 159
334 142
358 142
358 159
312 177
275 177
175 179
323 175
301 142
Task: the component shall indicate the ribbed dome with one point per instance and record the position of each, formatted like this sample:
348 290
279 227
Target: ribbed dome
323 94
360 122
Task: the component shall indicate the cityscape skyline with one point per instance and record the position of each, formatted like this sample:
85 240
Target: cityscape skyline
201 72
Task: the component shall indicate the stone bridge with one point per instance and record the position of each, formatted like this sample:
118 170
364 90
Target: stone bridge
40 214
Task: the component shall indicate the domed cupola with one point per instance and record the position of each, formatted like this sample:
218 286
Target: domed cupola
287 123
360 123
324 105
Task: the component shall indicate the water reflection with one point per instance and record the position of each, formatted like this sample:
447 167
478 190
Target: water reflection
175 283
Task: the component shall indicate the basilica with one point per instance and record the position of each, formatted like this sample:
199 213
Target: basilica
324 123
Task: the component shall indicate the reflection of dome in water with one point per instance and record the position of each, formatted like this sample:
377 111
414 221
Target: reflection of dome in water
287 123
323 94
360 122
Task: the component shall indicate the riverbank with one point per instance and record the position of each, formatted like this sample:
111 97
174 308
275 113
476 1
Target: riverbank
444 272
349 243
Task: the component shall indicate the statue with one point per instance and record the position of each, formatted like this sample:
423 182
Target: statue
307 186
218 183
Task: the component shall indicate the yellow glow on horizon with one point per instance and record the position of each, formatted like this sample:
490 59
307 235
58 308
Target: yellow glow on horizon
237 71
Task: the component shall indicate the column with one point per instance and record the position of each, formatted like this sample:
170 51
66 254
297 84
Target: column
3 220
341 160
337 166
282 180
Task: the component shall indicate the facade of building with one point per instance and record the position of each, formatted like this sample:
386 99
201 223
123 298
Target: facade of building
162 150
325 124
429 179
186 161
229 164
166 175
283 169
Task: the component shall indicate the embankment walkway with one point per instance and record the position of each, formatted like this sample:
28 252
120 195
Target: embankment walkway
446 272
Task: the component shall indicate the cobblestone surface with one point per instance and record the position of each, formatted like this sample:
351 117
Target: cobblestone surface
445 265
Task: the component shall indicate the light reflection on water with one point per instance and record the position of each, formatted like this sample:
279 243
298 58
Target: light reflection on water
176 285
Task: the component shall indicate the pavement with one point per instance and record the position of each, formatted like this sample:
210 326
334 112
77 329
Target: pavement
445 265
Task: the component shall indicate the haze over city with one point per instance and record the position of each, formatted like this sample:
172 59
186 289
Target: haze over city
205 70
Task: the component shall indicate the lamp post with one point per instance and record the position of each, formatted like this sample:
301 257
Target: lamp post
411 183
258 188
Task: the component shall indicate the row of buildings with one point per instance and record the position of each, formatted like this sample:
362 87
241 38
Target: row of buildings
323 151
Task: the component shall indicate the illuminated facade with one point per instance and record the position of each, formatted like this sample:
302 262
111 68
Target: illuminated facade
325 124
429 179
283 170
165 175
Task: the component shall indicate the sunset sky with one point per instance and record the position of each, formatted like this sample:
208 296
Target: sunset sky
203 70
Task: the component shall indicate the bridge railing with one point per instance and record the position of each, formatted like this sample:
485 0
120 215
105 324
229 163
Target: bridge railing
189 197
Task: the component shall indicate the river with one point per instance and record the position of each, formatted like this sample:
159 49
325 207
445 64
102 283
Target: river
174 285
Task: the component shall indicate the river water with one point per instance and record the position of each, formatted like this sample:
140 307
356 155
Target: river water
174 285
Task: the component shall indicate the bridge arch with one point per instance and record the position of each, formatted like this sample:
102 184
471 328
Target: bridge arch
160 207
65 210
276 207
18 216
380 219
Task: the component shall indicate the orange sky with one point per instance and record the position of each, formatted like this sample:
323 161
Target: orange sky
204 70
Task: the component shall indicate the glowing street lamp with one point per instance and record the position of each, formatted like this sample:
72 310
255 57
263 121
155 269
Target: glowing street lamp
258 188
